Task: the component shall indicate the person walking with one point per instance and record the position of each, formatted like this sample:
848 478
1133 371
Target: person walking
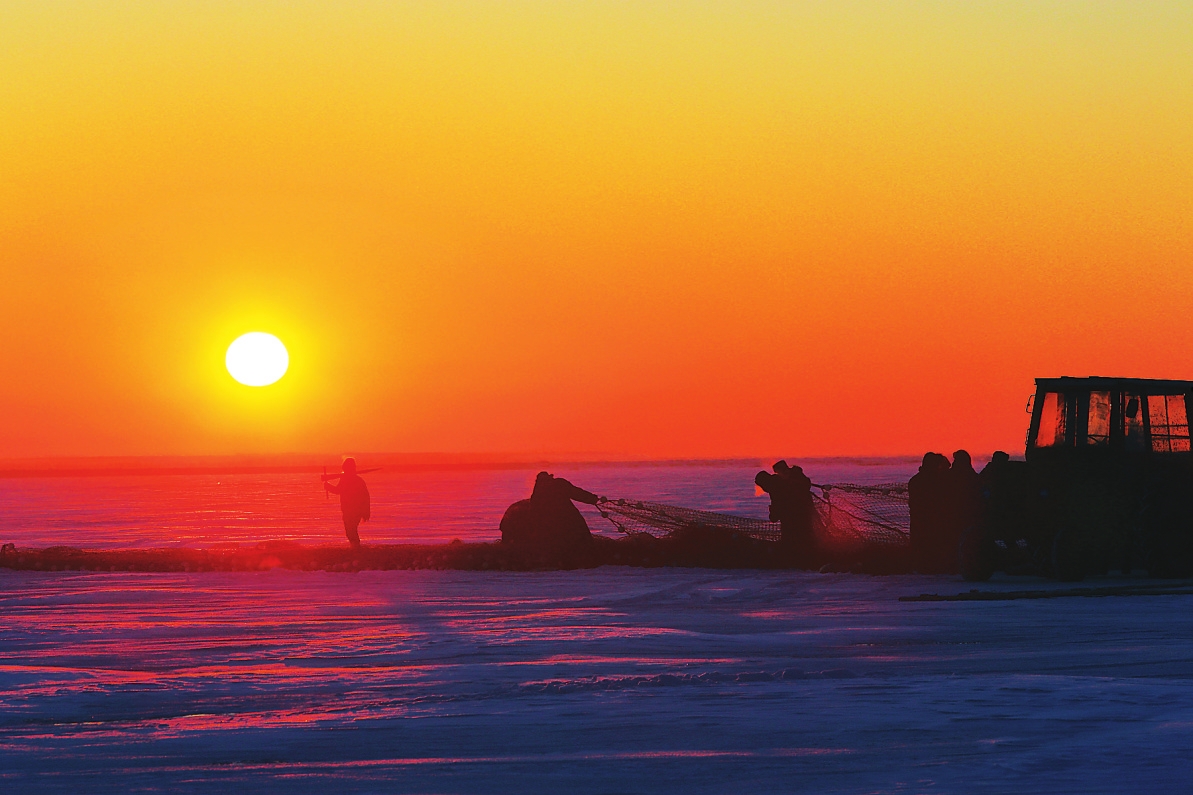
354 499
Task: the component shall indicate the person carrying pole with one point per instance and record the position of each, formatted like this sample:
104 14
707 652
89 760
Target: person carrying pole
354 499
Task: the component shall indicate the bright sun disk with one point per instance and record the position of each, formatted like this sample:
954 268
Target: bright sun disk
257 359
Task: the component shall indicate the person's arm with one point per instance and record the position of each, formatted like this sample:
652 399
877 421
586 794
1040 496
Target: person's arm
577 494
330 487
366 503
585 496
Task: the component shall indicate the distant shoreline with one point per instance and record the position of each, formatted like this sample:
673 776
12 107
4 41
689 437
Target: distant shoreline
151 466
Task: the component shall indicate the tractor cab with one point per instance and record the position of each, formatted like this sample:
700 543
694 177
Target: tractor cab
1108 416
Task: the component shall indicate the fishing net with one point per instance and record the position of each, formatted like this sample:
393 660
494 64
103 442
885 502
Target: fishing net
846 514
652 518
876 514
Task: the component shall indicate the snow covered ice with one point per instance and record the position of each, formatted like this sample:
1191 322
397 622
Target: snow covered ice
608 680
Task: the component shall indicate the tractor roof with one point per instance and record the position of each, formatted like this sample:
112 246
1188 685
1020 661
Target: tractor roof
1142 386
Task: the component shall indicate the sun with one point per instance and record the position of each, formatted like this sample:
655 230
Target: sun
257 359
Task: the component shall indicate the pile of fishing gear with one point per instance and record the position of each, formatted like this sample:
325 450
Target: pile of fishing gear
846 514
870 515
651 518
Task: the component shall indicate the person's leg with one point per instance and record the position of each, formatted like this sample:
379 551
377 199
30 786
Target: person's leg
787 543
798 544
350 525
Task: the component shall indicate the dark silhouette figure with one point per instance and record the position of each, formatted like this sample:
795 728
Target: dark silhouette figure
791 506
927 494
997 461
997 485
354 500
548 520
963 508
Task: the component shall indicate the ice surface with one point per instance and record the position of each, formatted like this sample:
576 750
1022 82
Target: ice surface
607 680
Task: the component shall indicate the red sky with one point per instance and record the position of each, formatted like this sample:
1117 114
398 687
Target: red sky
634 230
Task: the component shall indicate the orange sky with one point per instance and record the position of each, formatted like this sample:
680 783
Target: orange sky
641 230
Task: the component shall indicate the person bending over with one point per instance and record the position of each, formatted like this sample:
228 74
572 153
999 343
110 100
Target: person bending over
791 506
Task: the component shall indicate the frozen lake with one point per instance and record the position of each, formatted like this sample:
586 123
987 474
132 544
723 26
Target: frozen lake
425 507
607 680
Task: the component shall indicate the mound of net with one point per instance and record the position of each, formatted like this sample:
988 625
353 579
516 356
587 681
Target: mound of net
652 518
866 515
846 514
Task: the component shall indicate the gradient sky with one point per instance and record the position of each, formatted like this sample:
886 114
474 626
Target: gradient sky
642 230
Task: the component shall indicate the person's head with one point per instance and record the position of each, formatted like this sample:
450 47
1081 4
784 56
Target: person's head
940 463
349 466
781 466
542 477
961 460
999 457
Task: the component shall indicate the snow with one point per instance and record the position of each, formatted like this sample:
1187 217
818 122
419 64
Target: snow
609 680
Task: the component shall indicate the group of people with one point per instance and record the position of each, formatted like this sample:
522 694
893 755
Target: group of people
549 521
946 501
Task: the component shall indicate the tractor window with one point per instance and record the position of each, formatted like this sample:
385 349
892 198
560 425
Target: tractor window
1053 420
1170 425
1133 423
1098 428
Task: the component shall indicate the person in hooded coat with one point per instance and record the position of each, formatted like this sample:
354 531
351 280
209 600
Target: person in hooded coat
548 520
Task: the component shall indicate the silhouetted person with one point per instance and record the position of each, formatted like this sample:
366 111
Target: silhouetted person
1001 492
548 520
354 500
928 501
997 461
791 506
963 507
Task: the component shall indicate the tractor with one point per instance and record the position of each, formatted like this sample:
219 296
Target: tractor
1106 483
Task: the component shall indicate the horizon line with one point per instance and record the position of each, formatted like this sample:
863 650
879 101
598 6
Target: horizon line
277 463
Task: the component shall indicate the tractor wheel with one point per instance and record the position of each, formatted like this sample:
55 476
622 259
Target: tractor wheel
975 558
1068 560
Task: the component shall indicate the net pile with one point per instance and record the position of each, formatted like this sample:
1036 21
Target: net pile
846 513
633 517
865 514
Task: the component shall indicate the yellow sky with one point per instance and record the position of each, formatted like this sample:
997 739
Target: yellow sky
657 229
